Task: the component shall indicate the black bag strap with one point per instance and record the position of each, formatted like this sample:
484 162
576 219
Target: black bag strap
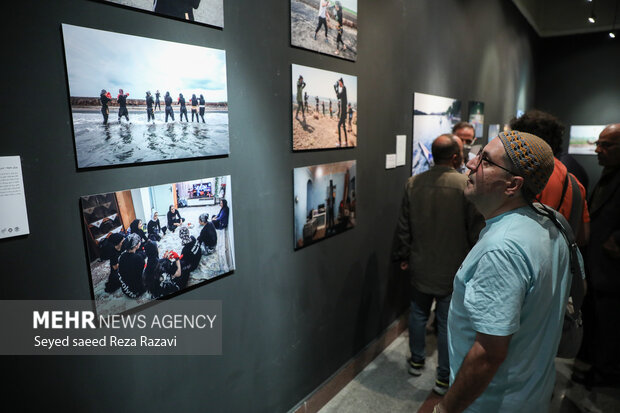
577 206
577 291
563 191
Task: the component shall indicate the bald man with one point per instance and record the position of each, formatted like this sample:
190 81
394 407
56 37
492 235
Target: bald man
436 229
602 305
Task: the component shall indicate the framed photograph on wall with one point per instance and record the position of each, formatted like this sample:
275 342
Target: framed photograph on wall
325 26
324 107
432 116
476 117
153 242
325 201
582 138
135 99
210 12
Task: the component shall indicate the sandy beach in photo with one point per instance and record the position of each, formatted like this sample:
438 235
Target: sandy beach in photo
319 131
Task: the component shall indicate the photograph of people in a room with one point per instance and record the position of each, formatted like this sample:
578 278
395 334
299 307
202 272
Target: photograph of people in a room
325 26
432 116
147 243
324 107
209 12
583 138
324 201
135 99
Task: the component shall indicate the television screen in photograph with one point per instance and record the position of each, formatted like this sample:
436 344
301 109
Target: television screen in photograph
209 12
325 26
318 99
325 199
135 99
148 243
582 138
432 116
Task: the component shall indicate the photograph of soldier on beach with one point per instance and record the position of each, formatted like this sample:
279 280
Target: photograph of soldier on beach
136 100
325 26
325 201
330 120
583 138
149 243
209 12
432 116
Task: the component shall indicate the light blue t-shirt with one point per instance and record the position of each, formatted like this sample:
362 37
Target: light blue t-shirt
515 280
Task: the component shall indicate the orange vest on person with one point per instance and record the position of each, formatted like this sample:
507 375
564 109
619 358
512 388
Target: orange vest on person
552 194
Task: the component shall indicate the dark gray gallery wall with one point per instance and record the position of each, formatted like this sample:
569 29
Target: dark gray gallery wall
578 81
291 319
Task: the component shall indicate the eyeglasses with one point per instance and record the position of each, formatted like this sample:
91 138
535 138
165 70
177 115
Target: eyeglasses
487 160
605 144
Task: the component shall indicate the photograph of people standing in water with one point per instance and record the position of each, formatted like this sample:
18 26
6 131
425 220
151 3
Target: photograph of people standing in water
325 26
331 121
130 98
209 12
432 116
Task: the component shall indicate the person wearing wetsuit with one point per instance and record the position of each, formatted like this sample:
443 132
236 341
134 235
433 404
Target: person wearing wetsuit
183 9
183 108
341 93
323 105
300 103
122 105
194 101
339 29
306 101
331 111
168 103
202 102
105 98
149 107
157 104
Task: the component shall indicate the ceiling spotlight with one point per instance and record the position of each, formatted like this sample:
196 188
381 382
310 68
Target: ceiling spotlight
592 19
612 35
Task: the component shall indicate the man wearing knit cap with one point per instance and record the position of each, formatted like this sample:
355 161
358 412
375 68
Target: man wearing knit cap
510 293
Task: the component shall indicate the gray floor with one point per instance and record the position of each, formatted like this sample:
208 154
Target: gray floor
386 386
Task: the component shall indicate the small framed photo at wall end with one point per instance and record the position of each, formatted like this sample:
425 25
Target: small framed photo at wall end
154 242
135 99
325 201
324 108
209 12
325 26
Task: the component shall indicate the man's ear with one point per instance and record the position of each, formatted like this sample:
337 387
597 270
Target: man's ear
514 185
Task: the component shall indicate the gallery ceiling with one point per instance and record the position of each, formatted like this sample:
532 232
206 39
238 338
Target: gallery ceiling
567 17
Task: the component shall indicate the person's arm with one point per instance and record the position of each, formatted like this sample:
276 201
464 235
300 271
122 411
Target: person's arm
478 368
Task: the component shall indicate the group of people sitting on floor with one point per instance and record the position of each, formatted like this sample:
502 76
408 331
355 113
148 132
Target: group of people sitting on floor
135 263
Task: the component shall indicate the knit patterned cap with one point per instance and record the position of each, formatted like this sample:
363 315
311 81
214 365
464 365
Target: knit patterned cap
531 157
184 235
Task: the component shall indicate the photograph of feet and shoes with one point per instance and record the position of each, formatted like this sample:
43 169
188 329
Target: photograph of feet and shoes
248 206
